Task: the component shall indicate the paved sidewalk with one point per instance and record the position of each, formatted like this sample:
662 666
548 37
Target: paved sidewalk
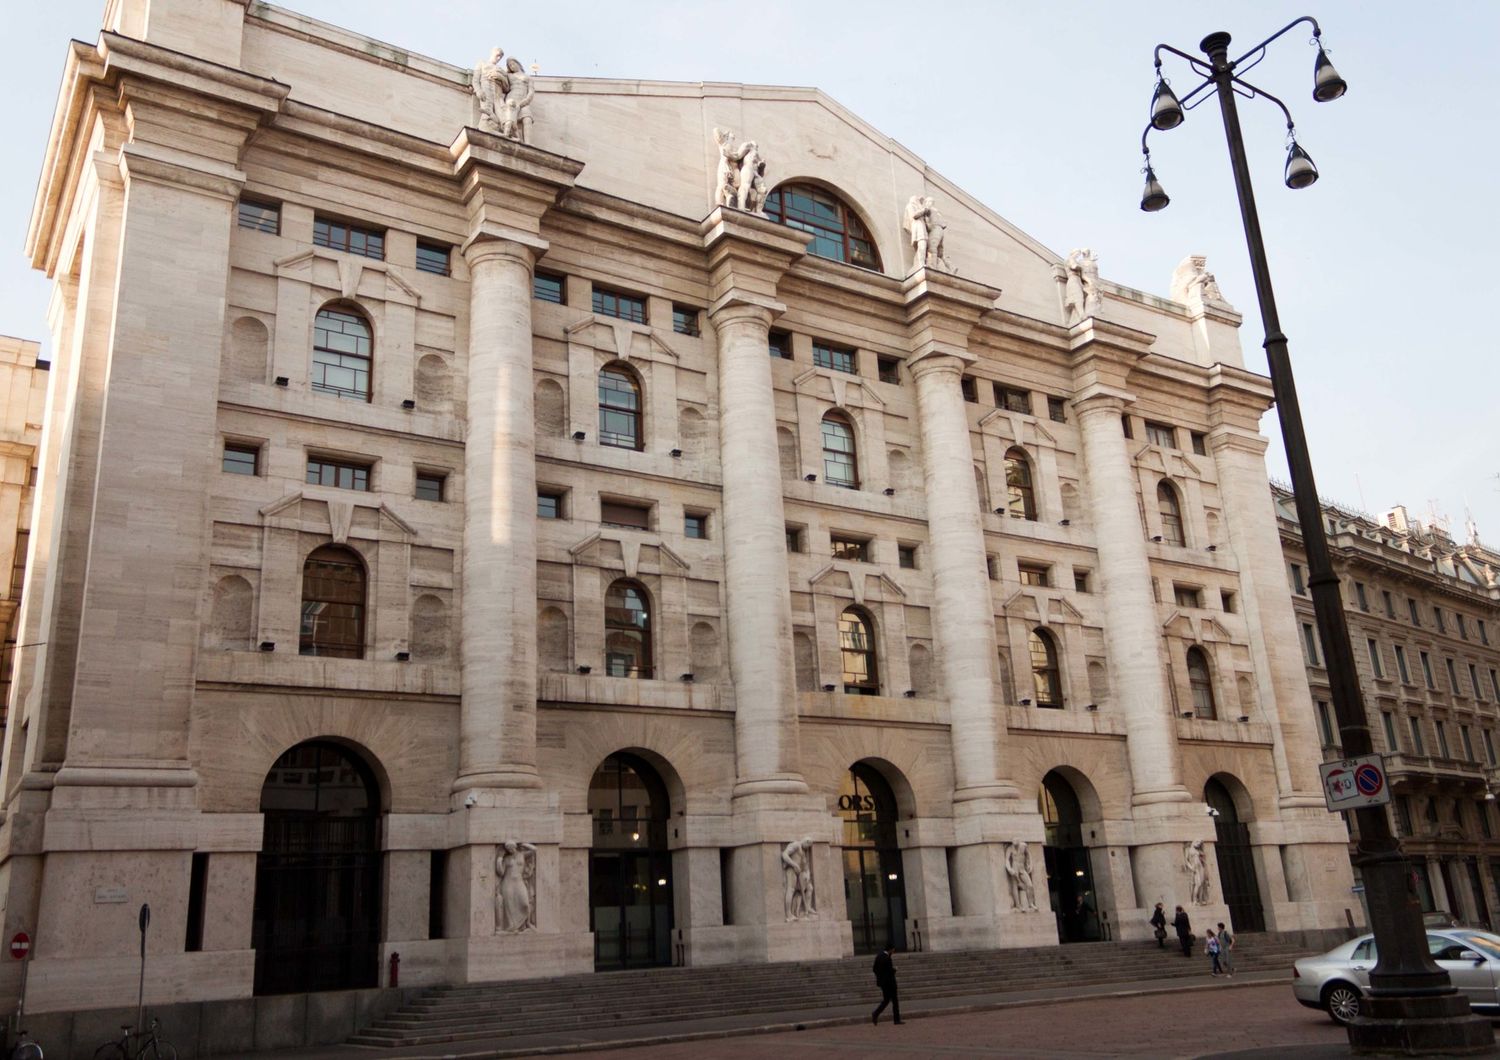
702 1032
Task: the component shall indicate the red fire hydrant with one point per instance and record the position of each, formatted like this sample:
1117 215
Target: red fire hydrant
395 969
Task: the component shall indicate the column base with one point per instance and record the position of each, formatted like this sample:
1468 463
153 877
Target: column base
1420 1026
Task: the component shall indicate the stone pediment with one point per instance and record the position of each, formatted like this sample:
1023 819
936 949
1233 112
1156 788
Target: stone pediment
1149 457
1184 466
840 388
619 339
1014 427
353 277
1203 629
1061 611
593 551
858 582
337 517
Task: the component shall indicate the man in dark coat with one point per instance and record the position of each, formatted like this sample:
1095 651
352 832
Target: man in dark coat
885 978
1159 922
1184 931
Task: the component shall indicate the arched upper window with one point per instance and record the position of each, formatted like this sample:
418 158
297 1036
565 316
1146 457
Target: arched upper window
1020 493
1171 514
333 604
857 646
1202 684
619 408
840 461
1046 678
341 353
838 233
627 630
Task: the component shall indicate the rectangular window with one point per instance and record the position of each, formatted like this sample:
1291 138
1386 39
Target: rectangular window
1200 443
1482 809
1427 671
838 358
1012 399
1298 585
1452 677
850 548
1310 644
794 539
1484 635
549 504
1474 682
780 345
1489 746
1401 665
1325 723
906 557
1375 664
1495 683
1080 581
1161 434
437 889
1033 574
1416 736
889 369
1390 603
1463 732
1411 606
1226 600
344 475
260 216
241 459
1057 410
433 257
620 305
695 526
1388 723
1125 426
1187 596
970 389
990 567
1359 594
17 584
1463 627
1403 815
622 514
549 287
431 485
197 899
1437 617
350 238
685 320
1442 737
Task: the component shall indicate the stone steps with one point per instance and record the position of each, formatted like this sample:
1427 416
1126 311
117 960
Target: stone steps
539 1006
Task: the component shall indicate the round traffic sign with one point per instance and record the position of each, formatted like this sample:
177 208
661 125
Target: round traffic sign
1368 780
20 945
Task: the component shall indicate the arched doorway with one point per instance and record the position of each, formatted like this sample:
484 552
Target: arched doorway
1236 859
316 923
874 884
630 868
1070 876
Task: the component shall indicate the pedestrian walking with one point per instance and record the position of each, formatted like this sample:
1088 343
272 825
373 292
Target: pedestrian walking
1211 944
1226 950
1184 931
1159 922
885 978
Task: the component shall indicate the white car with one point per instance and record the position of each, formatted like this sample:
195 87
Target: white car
1336 981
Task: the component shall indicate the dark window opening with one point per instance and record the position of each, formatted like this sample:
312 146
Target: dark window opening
549 287
618 304
342 475
241 459
685 320
627 516
430 485
838 233
838 358
433 258
260 216
197 896
350 238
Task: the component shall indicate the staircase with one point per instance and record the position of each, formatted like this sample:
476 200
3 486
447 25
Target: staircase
662 995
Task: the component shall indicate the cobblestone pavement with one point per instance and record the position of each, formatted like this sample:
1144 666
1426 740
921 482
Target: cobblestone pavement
1193 1024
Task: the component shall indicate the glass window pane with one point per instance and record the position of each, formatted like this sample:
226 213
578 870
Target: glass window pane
241 460
433 258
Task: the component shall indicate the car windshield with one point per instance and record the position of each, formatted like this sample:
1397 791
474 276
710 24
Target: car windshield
1488 945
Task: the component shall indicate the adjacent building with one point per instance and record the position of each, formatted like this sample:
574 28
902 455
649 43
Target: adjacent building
1424 620
23 394
462 532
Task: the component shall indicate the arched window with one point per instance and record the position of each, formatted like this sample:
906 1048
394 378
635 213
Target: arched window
1045 675
840 461
857 646
1020 493
838 233
627 631
333 604
341 353
1202 684
619 408
1171 514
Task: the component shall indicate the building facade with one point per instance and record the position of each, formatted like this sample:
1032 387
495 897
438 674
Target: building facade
1424 620
23 396
496 547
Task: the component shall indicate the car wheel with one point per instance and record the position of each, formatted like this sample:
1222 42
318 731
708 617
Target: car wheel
1342 1002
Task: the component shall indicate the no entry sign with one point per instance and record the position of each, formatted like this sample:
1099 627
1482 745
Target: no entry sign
20 946
1354 782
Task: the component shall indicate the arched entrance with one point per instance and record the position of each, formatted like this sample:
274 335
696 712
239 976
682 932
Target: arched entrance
630 868
874 884
1070 876
1236 859
316 922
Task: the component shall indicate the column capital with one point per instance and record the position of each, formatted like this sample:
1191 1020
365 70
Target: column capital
1105 354
1098 398
747 257
737 306
1237 397
1226 438
941 311
508 187
935 361
493 241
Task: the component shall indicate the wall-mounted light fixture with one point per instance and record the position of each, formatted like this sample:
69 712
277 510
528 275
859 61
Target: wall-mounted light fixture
579 436
403 656
282 380
409 404
268 645
585 669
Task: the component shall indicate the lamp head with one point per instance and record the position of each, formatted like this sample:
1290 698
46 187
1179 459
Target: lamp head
1166 111
1154 197
1300 170
1327 84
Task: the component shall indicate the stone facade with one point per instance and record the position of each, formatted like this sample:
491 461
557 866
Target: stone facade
1090 496
1424 619
23 395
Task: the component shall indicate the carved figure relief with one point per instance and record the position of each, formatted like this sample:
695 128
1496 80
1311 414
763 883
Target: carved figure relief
799 896
925 227
1081 297
505 94
1196 863
1194 285
515 888
741 178
1020 873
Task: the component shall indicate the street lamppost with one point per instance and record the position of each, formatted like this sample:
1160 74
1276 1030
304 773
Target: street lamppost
1412 1007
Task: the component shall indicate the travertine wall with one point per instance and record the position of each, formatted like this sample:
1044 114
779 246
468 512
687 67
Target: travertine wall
171 679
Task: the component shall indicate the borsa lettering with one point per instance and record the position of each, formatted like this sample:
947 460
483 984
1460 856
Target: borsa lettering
857 803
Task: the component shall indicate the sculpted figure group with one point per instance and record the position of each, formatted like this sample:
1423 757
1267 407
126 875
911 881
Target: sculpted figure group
924 225
797 874
505 94
741 180
1081 296
515 888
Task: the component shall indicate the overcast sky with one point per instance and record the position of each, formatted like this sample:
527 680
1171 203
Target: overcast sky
1036 109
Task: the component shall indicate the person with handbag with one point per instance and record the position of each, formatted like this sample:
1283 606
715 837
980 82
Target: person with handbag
1184 931
1159 922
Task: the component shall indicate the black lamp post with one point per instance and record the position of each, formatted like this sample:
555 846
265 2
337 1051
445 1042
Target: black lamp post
1412 1008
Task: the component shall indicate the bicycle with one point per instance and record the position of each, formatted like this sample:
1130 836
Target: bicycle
152 1045
25 1048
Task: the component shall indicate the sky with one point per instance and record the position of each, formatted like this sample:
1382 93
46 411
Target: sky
1037 110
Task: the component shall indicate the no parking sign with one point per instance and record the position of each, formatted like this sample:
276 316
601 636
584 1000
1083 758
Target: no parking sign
1354 782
